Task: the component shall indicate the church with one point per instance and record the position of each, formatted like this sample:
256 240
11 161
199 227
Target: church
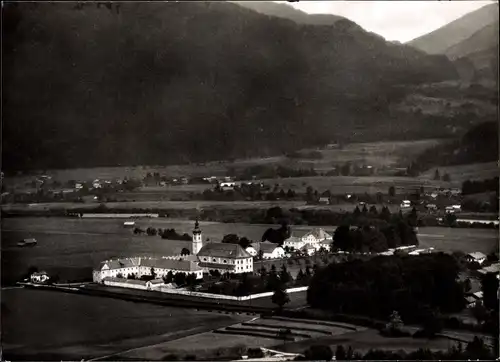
219 257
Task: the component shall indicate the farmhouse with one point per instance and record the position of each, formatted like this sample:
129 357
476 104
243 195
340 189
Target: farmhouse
315 238
39 277
269 250
477 257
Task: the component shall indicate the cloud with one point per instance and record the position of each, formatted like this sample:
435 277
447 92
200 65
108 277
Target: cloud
394 20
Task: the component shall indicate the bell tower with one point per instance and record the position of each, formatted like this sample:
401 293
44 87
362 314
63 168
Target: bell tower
197 239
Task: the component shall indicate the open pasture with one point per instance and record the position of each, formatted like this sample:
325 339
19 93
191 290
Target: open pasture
460 173
363 341
89 327
377 154
355 184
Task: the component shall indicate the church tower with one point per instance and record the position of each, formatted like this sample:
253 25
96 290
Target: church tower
197 239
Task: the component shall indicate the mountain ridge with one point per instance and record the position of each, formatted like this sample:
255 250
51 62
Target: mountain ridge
158 83
437 41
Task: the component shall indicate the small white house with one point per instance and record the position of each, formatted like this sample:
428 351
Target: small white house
129 224
39 277
477 257
155 284
269 250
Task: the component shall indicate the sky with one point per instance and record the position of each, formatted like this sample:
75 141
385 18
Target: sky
395 20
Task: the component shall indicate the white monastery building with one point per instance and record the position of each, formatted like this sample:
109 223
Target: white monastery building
204 258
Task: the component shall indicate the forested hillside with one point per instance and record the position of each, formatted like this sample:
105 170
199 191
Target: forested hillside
155 83
479 144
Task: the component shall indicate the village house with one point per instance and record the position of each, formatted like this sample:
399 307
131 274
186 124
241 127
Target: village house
316 238
269 250
39 277
477 257
324 200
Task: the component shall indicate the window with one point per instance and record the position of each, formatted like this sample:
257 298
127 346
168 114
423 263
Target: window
204 259
225 261
214 260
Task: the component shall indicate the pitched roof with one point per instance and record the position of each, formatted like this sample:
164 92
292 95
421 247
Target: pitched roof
223 250
477 255
318 233
172 264
266 247
125 281
217 266
120 263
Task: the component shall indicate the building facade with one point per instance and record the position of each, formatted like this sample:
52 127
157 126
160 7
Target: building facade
224 258
269 250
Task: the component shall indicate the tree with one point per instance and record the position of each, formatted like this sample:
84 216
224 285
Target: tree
365 210
260 255
489 286
392 191
153 273
479 312
356 213
185 251
244 242
446 177
385 214
437 176
169 278
231 239
280 297
395 322
373 210
450 219
342 238
284 275
119 275
284 333
319 353
180 278
340 353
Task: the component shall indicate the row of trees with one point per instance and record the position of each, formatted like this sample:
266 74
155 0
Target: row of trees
475 187
474 350
170 234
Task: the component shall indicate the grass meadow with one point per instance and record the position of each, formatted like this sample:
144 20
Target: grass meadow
89 327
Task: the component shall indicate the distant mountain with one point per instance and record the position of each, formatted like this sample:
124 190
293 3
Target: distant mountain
91 84
440 40
287 12
483 39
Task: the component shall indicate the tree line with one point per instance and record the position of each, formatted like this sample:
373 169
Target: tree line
409 285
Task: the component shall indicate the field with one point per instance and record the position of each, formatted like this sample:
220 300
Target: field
205 345
88 327
363 341
460 173
72 247
377 154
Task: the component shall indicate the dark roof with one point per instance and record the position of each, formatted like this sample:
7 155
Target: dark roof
266 247
223 250
217 266
173 264
125 281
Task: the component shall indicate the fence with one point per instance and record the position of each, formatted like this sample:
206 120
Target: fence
226 297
